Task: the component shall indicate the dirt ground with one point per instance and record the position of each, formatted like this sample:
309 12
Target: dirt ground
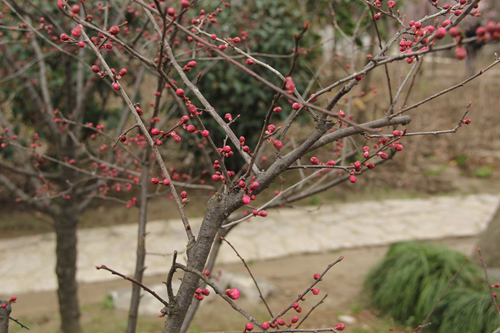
291 276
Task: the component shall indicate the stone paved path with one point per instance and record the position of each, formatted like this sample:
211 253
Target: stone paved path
27 263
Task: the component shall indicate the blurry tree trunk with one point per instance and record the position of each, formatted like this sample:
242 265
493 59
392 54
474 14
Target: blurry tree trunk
489 242
141 248
4 316
66 223
470 60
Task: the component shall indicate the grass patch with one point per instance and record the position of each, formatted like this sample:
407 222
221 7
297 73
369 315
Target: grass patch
482 173
409 280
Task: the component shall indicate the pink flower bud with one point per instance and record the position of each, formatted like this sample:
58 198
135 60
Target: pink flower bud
155 181
180 92
382 155
171 12
166 182
75 9
191 129
232 293
314 161
277 109
315 291
205 133
295 319
266 325
250 62
263 213
114 30
192 109
159 143
281 322
246 199
352 179
254 186
296 106
115 86
340 327
155 131
249 326
76 31
278 144
316 276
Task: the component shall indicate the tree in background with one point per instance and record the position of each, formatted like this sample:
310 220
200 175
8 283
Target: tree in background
80 60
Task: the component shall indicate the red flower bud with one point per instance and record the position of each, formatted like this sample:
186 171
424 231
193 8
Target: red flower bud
180 92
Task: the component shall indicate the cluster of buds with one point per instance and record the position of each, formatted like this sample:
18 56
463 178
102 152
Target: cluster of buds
248 196
132 202
314 161
289 85
201 293
489 33
190 65
218 176
297 307
225 151
156 181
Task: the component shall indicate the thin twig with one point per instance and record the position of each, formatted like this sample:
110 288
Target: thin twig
155 295
461 84
17 321
251 275
308 289
219 292
488 281
312 309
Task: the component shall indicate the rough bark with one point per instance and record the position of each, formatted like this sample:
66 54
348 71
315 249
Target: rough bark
4 316
489 242
141 251
219 207
66 223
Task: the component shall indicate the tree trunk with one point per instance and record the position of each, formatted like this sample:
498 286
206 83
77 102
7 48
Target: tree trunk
489 242
66 223
141 249
4 316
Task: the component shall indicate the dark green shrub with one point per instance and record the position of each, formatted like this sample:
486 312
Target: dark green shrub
409 280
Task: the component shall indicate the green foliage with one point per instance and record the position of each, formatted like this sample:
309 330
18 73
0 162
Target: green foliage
272 30
108 302
466 311
409 280
482 172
